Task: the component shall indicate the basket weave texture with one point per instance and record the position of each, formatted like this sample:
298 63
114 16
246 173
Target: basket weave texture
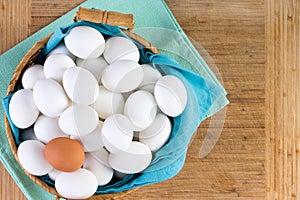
83 14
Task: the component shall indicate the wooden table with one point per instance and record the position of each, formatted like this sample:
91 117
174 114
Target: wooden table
256 46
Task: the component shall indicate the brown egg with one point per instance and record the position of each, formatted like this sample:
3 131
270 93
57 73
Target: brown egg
64 154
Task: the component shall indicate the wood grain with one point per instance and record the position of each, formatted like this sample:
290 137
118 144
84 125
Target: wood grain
282 100
235 168
15 19
255 45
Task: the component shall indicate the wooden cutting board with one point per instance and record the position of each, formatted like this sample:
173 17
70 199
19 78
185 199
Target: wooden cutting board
256 47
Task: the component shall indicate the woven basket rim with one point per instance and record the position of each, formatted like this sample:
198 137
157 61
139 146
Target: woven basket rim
26 61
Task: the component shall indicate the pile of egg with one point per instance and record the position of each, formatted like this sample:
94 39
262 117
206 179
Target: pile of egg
92 111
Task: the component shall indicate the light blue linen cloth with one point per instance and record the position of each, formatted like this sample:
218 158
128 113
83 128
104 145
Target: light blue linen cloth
167 162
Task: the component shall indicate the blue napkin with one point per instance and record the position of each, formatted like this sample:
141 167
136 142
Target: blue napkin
201 95
167 162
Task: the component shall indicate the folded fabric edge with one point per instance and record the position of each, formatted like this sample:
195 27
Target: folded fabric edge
218 104
19 177
164 59
189 44
172 171
29 39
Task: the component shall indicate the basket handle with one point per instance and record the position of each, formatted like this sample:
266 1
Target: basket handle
105 17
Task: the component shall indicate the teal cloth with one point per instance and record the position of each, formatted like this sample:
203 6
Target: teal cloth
201 95
160 16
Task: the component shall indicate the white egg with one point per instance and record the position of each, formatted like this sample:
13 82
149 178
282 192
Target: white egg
85 42
95 65
157 134
55 66
151 76
170 95
50 97
53 174
61 49
47 128
78 120
91 141
122 76
101 155
134 160
108 103
140 108
32 75
120 48
31 156
117 133
27 134
79 184
80 85
22 109
103 173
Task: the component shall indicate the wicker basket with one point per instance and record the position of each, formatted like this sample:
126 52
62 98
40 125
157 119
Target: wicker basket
91 15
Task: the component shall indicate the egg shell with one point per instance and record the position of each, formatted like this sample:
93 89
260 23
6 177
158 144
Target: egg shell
80 85
47 128
53 174
151 76
61 49
122 76
108 103
101 155
91 141
78 120
157 134
31 156
170 95
22 109
85 42
117 133
64 154
134 160
120 48
32 75
50 97
103 173
80 184
140 108
55 66
95 65
27 134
